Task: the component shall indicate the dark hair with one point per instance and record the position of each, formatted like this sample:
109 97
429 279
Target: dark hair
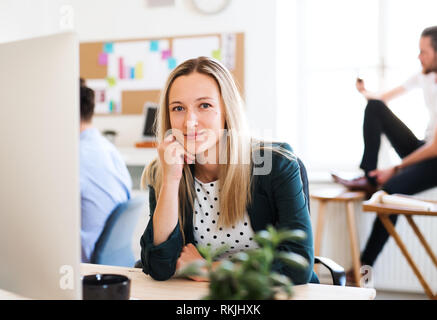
86 102
432 33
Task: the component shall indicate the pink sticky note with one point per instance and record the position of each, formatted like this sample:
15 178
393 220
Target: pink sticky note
103 59
100 95
165 54
121 70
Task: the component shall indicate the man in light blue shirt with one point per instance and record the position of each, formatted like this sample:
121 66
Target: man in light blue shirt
104 179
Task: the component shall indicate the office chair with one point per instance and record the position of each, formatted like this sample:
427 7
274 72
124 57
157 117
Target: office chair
337 272
114 246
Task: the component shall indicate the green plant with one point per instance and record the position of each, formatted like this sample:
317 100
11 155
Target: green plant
248 275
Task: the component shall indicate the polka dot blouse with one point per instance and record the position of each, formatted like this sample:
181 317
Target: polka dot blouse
239 237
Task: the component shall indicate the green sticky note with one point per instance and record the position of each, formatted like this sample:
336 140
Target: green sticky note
217 54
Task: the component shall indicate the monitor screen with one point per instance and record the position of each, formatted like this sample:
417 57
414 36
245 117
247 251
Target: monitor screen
39 185
150 116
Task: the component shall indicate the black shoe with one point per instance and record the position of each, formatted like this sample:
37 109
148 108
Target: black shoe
357 184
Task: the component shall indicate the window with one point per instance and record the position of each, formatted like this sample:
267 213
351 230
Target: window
334 42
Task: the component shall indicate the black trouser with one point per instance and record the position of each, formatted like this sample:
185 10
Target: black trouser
378 120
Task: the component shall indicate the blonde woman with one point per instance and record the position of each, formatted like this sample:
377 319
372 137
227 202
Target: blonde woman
212 184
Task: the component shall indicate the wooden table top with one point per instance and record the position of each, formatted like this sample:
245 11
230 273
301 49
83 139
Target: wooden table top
336 194
391 208
145 288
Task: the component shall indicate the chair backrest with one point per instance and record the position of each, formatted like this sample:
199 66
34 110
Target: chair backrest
114 246
337 271
305 186
304 177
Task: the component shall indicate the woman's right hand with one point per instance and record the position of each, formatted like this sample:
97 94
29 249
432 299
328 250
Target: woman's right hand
360 85
173 156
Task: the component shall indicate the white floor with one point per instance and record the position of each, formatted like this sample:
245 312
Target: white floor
384 294
389 295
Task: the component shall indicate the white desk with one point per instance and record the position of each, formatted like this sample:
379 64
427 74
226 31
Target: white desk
138 156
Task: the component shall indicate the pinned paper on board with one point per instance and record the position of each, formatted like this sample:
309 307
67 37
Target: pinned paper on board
100 87
136 67
128 60
103 59
165 54
139 70
108 47
144 65
172 63
111 106
121 69
189 48
99 95
111 81
154 45
229 50
217 54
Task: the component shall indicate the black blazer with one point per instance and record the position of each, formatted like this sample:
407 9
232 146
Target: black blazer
278 199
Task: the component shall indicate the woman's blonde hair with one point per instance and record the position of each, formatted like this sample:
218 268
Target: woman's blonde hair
235 173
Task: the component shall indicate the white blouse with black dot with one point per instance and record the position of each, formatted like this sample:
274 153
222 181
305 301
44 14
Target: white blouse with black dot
239 237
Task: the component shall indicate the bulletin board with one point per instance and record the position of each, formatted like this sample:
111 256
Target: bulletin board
125 74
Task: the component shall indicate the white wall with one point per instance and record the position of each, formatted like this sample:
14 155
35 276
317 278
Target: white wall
27 18
288 86
134 20
99 20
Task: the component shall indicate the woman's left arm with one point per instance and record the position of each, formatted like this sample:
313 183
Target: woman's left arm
293 214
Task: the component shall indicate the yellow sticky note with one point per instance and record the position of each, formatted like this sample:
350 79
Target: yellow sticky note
217 54
139 70
111 81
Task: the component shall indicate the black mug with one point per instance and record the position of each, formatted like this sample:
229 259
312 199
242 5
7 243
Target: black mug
105 287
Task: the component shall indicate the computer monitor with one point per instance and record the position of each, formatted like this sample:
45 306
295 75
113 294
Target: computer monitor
150 110
39 167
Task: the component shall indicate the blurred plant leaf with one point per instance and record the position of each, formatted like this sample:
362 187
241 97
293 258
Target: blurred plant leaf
226 265
241 257
280 279
220 250
248 275
205 252
192 269
292 235
263 238
283 282
293 259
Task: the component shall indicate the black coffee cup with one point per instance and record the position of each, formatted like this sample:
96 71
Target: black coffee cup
105 287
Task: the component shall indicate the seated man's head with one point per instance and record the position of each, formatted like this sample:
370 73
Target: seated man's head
428 50
86 103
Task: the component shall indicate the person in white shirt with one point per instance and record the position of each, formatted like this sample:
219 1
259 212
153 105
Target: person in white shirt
418 169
